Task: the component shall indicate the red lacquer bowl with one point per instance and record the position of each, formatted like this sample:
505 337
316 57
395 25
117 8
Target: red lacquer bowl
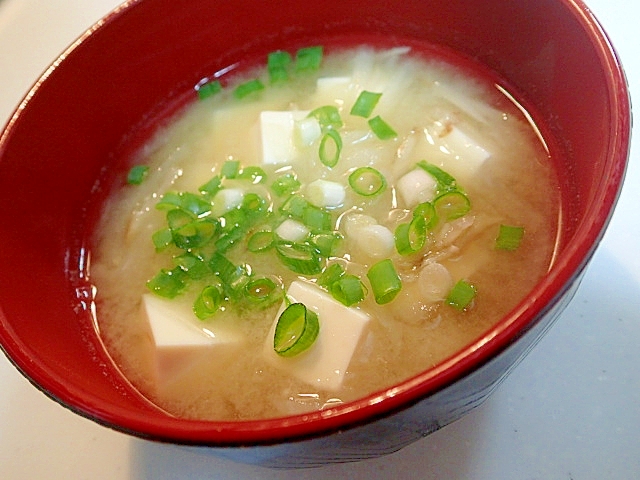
147 55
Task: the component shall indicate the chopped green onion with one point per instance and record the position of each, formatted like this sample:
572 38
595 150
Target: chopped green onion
162 239
367 181
285 184
137 174
195 234
208 302
233 277
300 258
254 174
194 266
212 187
427 211
452 205
195 204
365 103
330 148
260 241
230 169
327 243
445 181
509 237
168 283
247 88
262 290
169 201
309 59
277 65
328 117
385 282
381 128
296 330
208 89
294 206
254 206
330 275
461 295
348 290
316 218
411 237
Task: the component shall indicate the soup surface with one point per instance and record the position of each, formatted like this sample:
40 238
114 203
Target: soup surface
380 213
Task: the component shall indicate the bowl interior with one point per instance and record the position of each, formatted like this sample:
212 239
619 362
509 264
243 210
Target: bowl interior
93 104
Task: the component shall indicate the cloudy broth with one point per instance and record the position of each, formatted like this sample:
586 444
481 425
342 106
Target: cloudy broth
440 115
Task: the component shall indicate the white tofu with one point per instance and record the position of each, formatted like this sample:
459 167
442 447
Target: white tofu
278 135
179 344
469 155
323 193
334 91
325 363
416 186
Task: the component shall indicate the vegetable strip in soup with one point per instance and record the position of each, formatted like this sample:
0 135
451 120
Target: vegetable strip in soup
318 229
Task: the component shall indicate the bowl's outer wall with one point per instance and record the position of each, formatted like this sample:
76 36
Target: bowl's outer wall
140 60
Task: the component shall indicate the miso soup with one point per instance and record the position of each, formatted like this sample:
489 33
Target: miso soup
318 229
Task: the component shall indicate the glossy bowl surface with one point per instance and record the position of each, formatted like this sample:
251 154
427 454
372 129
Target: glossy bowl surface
94 101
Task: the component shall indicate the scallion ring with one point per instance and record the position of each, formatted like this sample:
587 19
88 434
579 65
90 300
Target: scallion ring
330 148
296 330
367 181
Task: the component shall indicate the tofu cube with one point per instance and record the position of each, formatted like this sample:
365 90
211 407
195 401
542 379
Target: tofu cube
278 135
179 343
468 154
325 363
337 91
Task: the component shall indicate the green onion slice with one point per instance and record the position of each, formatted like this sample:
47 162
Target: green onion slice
381 129
262 290
309 58
254 174
509 237
461 295
328 117
427 211
137 174
446 182
330 148
285 184
208 302
296 330
367 181
168 283
247 88
260 241
365 103
208 89
193 265
162 239
212 187
330 275
452 205
348 290
327 243
300 258
411 237
230 169
277 65
385 282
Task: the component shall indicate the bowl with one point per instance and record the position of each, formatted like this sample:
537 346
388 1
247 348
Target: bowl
101 97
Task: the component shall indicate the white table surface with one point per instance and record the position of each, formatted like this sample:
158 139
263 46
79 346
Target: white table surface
571 410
